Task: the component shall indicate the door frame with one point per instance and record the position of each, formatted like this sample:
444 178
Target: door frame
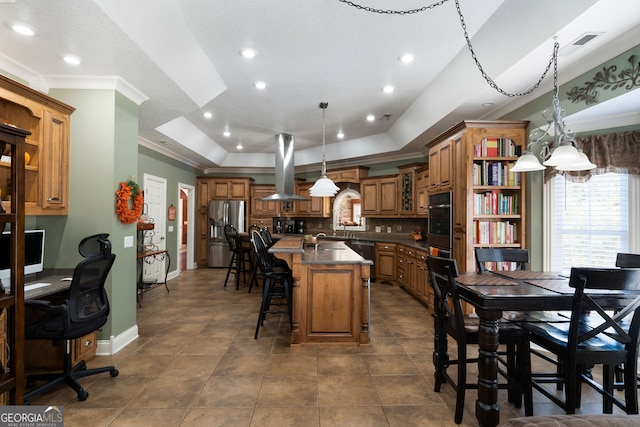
191 220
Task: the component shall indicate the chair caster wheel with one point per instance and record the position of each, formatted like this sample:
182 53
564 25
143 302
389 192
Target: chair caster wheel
82 395
114 372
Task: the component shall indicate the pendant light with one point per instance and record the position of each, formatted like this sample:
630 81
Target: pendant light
323 187
564 155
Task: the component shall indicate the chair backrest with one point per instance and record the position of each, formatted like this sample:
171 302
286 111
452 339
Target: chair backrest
231 234
447 306
501 258
265 260
88 301
266 236
94 245
628 260
591 316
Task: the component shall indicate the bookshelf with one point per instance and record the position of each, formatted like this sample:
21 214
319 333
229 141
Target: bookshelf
489 201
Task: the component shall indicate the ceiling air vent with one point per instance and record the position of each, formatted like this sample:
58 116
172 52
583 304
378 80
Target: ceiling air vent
385 117
581 41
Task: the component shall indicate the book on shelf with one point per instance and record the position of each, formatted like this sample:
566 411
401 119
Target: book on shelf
496 147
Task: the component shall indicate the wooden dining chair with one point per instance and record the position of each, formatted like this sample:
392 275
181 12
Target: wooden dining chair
594 336
501 259
449 321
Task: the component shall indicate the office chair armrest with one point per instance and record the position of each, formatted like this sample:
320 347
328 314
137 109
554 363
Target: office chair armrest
46 306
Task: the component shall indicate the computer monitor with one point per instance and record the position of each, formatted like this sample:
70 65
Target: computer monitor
33 254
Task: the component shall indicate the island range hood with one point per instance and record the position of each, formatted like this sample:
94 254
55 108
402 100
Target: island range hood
285 176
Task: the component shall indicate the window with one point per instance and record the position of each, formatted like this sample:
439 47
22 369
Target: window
589 221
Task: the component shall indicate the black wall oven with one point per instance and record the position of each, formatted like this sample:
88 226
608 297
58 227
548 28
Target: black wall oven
439 233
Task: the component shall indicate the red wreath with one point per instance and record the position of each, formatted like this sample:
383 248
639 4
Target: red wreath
128 189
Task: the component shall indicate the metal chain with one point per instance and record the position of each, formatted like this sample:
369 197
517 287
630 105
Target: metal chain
552 61
393 12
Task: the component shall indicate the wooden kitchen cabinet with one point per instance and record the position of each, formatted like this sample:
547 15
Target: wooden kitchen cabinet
262 212
348 174
316 207
47 148
230 189
422 192
385 264
440 167
379 196
408 189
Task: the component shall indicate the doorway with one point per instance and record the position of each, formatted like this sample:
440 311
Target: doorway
186 227
155 198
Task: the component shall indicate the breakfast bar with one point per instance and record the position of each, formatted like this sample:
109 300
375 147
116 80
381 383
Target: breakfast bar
330 292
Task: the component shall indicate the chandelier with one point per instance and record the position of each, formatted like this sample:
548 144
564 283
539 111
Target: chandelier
323 187
563 154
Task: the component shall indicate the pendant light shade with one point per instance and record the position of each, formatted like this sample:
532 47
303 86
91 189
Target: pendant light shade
579 163
323 187
527 162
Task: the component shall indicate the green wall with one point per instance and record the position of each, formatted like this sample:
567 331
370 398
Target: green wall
175 172
104 132
533 112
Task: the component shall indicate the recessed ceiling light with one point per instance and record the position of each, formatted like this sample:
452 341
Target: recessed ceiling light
340 135
226 133
260 85
23 29
70 59
388 89
207 114
248 53
239 146
371 118
487 104
407 58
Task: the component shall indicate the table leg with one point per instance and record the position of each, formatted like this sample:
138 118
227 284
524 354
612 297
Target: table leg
487 408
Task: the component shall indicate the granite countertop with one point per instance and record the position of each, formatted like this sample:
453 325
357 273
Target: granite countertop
381 237
325 252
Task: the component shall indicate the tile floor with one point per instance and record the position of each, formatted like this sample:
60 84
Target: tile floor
196 364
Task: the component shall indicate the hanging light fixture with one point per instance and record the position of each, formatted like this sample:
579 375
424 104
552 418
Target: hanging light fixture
323 187
564 155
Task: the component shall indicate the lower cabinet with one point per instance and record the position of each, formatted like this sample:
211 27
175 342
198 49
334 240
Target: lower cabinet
412 274
385 264
43 355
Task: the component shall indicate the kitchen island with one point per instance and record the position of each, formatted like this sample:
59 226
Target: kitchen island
330 292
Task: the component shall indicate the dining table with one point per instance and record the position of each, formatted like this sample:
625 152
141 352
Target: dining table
493 293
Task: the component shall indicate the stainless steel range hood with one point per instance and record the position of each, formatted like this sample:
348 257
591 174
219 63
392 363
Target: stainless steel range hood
285 184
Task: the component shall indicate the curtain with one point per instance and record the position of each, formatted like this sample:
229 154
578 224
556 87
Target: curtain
614 152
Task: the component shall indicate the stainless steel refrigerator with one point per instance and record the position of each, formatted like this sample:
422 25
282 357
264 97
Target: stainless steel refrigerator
221 213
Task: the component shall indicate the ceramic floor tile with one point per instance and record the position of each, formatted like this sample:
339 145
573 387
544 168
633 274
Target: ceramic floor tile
229 392
289 392
347 391
353 416
279 417
220 417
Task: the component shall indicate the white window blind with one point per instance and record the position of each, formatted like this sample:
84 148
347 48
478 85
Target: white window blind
590 221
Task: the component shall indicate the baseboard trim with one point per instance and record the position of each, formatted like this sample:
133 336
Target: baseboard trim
115 344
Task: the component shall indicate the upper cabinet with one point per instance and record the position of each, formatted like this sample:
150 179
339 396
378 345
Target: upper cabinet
46 149
349 174
440 167
422 191
316 206
408 189
379 196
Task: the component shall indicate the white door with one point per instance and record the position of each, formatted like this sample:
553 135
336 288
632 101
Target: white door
155 199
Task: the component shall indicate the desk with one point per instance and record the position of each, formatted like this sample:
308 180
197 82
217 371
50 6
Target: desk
491 294
150 257
40 354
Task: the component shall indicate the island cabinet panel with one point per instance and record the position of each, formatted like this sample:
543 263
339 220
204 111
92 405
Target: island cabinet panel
331 302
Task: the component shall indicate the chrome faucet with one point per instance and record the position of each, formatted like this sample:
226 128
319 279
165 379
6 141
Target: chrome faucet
320 235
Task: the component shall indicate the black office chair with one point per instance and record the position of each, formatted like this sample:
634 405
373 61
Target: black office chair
449 321
501 258
594 336
240 256
627 260
278 283
86 310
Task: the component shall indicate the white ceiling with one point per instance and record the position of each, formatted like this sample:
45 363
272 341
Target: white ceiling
179 58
